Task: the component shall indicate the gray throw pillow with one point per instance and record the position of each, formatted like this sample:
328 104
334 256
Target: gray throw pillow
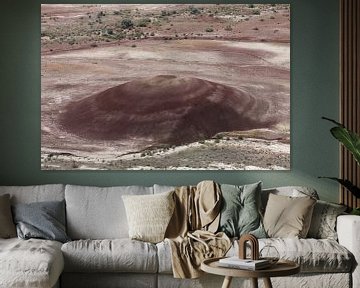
7 227
43 220
323 222
240 213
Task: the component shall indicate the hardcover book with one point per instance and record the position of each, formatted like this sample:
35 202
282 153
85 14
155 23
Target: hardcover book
236 262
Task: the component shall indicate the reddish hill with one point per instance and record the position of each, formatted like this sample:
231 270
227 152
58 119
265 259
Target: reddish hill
166 110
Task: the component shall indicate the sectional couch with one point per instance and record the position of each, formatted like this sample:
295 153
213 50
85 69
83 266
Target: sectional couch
101 254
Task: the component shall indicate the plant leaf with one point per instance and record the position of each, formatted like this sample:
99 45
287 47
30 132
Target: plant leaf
348 138
347 184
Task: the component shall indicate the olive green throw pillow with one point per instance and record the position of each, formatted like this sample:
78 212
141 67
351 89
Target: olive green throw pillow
7 226
288 217
240 213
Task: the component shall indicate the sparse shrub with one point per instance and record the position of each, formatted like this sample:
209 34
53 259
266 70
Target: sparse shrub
100 14
272 17
251 6
143 22
116 12
194 10
163 13
256 12
133 45
127 24
217 140
74 165
152 34
209 29
228 28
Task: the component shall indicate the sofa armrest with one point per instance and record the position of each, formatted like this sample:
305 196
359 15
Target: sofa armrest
348 230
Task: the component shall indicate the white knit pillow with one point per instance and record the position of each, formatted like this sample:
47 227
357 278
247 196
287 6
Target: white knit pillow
149 215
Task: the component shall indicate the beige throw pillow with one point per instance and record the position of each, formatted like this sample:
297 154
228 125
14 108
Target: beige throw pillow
7 226
149 215
288 217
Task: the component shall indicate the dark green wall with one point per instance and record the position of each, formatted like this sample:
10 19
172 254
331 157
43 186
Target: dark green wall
314 93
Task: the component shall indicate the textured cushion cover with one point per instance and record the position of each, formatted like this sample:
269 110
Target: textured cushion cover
7 227
44 220
240 213
149 215
323 223
98 213
117 255
287 216
30 263
313 255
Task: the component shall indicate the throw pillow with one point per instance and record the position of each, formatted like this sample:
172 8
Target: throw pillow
43 220
323 222
288 217
149 215
7 227
240 213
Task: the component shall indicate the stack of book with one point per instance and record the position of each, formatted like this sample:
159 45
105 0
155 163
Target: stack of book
248 264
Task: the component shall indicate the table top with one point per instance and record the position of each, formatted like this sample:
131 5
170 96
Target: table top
281 268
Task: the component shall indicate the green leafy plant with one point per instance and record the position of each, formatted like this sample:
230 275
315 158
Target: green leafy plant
351 142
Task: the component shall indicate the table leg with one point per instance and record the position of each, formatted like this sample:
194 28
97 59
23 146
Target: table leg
227 282
267 283
254 282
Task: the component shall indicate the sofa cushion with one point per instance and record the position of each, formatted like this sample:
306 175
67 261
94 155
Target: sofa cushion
323 222
7 227
30 263
149 215
36 193
117 255
287 216
313 255
291 191
240 210
43 220
98 213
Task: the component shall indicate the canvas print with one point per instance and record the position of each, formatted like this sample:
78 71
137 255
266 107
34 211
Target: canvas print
165 87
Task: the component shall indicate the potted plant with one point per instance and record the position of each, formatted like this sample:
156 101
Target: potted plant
351 141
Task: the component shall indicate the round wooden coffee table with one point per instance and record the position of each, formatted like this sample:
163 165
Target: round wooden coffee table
281 268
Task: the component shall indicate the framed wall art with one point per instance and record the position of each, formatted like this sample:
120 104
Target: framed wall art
165 87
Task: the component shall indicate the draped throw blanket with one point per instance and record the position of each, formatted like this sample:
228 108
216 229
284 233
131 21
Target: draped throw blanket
191 231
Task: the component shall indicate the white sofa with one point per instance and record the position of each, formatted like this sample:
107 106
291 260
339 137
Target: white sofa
101 254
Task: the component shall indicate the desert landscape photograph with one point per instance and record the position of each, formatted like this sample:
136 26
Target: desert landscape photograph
165 87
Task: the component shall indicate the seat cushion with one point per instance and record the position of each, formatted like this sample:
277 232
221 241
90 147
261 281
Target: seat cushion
117 255
30 263
313 255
